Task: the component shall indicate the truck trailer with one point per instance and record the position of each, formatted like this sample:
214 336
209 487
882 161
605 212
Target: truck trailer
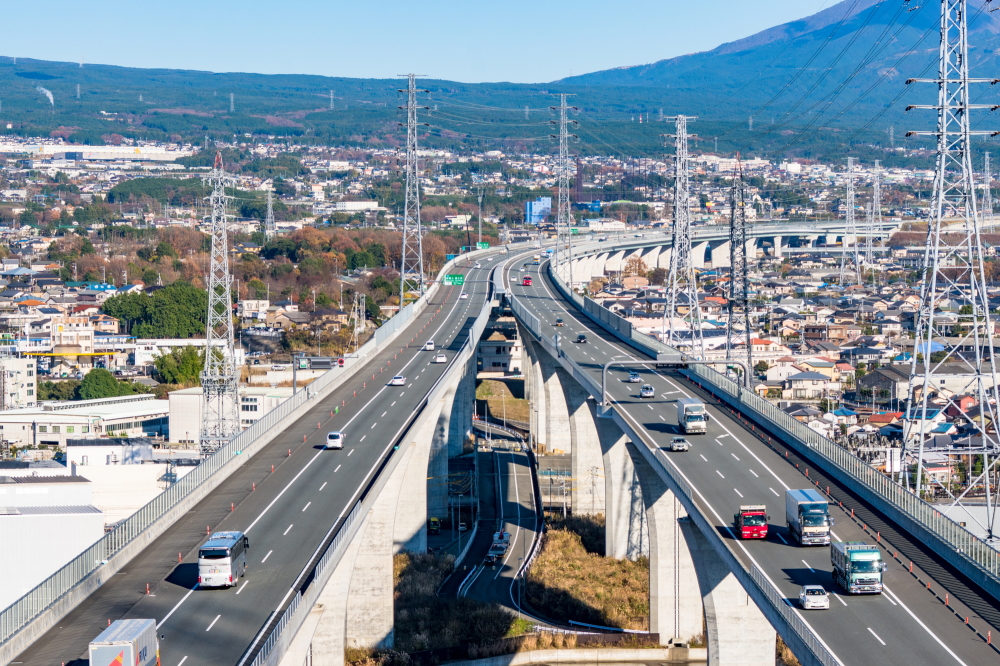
857 567
807 515
751 521
130 642
692 417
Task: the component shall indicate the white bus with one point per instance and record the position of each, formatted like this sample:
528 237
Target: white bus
223 559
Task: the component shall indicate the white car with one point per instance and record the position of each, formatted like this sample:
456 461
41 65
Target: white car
478 265
277 367
634 378
679 444
429 345
463 295
440 358
814 597
646 391
335 440
398 380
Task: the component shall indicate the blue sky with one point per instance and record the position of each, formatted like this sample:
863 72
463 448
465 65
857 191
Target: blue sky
461 40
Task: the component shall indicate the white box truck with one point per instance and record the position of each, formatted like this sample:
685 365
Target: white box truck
126 643
692 417
807 515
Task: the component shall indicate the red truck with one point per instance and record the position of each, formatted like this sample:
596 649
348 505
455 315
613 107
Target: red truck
751 521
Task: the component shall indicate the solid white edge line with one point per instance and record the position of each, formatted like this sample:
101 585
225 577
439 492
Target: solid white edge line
885 588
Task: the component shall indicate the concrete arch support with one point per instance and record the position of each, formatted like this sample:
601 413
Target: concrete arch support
663 260
588 498
460 420
555 421
410 527
720 255
437 467
698 254
675 605
737 632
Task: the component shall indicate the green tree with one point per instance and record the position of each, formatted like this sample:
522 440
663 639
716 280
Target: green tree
64 390
176 311
761 367
181 365
99 383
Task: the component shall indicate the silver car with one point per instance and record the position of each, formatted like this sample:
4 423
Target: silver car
634 378
814 597
679 444
647 391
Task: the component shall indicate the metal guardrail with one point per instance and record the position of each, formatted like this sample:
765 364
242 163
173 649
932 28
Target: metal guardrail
22 612
262 649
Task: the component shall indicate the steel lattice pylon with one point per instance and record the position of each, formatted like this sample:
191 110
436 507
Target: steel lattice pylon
219 379
564 232
953 268
739 273
682 285
987 208
411 264
873 226
269 227
851 230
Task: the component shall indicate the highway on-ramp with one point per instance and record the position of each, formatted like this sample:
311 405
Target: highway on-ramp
909 625
286 513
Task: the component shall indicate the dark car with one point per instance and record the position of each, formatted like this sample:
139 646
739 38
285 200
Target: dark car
581 338
559 322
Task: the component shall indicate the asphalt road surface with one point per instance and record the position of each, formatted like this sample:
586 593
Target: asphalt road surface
908 625
286 516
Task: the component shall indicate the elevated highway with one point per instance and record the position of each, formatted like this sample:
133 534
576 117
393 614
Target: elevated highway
288 498
735 464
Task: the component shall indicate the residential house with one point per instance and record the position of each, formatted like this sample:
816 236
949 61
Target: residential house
888 383
809 386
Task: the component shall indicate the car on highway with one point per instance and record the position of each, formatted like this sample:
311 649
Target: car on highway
398 380
634 378
559 322
646 391
526 282
814 597
463 295
478 265
440 358
581 338
429 345
679 444
334 440
277 367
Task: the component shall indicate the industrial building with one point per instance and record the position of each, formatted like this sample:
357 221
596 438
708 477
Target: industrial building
537 212
52 423
186 406
45 522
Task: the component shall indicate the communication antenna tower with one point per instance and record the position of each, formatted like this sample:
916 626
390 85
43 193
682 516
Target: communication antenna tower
219 379
739 276
269 227
851 235
411 265
953 263
987 192
564 219
232 103
682 284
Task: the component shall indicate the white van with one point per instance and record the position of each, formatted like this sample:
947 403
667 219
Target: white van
335 440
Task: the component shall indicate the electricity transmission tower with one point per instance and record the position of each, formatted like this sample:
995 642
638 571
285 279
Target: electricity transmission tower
411 264
739 275
682 286
269 227
953 264
358 317
987 192
219 378
232 103
564 235
851 231
479 195
873 221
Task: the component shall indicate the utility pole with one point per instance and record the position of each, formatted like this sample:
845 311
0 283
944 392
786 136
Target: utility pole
739 272
412 262
564 220
480 197
269 227
954 261
851 235
219 378
358 315
682 284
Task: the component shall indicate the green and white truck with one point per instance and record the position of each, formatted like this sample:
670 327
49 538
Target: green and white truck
857 566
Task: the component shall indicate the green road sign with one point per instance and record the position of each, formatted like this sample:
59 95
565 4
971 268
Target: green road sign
483 246
454 280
